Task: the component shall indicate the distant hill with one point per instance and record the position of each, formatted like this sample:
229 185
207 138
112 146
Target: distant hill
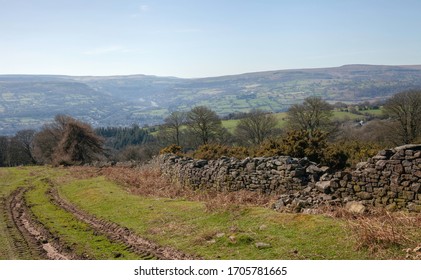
28 101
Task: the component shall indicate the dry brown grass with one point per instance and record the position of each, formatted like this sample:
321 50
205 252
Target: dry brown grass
379 230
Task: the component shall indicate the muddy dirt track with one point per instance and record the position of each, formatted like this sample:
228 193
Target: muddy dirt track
32 240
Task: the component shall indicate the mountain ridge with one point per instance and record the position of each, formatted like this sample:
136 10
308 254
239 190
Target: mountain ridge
345 66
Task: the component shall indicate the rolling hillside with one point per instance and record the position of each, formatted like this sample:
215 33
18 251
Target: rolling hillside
28 101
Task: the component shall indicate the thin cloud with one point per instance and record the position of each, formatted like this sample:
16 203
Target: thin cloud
144 8
141 10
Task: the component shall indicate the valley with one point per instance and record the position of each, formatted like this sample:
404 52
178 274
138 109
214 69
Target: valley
28 101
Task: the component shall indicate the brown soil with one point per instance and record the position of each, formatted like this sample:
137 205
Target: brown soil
36 238
117 233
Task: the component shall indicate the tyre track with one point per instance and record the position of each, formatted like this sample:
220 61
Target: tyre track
17 247
115 232
36 237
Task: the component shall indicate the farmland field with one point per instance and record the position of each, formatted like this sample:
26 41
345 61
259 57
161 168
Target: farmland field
337 115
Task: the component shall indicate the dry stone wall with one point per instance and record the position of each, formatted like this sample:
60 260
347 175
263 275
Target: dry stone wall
391 179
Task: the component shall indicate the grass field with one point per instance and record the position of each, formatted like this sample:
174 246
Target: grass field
282 118
230 232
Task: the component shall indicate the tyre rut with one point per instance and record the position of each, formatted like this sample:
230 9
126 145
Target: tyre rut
36 237
115 232
17 247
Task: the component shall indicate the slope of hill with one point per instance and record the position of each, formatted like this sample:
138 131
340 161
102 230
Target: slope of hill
27 101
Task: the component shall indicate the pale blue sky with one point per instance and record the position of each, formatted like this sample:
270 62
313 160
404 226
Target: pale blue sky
193 38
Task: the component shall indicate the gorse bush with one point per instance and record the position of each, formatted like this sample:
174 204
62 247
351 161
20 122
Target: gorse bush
358 151
269 148
303 143
296 143
172 149
335 157
215 151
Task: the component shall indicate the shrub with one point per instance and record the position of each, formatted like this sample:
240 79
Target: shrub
303 143
171 149
335 157
297 143
269 148
358 151
215 151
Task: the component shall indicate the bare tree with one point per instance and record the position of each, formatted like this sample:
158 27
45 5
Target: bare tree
173 124
4 150
46 140
405 109
204 124
255 127
314 113
78 145
24 138
67 141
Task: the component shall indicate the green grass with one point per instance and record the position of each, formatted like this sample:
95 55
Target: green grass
338 115
187 226
230 125
375 112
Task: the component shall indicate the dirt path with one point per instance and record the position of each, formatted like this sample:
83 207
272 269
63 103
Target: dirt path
117 233
15 246
36 238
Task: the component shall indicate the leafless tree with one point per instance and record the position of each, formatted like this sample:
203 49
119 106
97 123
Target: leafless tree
78 145
46 140
67 141
314 113
173 124
4 150
255 127
24 139
404 109
204 124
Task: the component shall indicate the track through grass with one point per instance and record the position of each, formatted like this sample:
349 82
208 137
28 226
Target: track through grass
77 235
243 233
12 243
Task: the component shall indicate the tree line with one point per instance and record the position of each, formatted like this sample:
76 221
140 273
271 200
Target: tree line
310 131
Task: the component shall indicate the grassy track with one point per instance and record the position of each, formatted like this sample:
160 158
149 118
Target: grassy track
230 234
73 234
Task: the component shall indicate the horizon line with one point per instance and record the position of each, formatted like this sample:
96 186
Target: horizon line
217 76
